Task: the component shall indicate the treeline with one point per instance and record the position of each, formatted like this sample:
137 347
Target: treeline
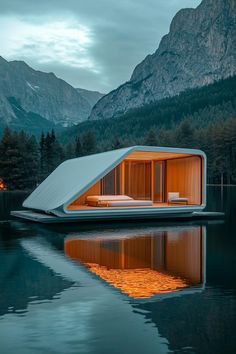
25 162
217 140
203 118
202 106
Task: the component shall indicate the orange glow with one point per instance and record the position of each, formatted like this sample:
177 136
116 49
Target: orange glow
2 186
138 177
138 283
142 267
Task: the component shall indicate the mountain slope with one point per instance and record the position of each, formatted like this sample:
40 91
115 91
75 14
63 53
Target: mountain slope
41 93
199 49
92 97
30 122
200 107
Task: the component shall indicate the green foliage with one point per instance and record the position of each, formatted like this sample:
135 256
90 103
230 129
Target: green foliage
78 147
18 160
151 139
51 154
200 107
203 118
199 118
89 143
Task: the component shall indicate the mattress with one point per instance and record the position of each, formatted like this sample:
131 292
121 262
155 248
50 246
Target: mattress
125 203
100 198
115 201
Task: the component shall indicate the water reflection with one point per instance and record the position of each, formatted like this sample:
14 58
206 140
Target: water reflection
163 261
51 303
23 279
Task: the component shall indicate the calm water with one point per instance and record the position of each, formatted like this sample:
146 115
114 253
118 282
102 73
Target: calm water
119 288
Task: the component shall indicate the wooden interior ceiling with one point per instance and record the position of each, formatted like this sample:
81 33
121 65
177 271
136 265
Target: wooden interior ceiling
151 155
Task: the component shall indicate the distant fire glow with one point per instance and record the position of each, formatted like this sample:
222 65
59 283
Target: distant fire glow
2 186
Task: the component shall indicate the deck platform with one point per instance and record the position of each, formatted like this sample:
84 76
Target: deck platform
31 215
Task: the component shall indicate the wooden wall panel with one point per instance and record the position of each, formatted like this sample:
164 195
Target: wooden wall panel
183 254
138 179
94 190
184 176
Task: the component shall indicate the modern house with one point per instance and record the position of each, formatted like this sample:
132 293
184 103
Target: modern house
134 182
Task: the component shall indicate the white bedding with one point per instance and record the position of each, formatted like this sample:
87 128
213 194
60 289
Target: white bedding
115 201
101 198
125 203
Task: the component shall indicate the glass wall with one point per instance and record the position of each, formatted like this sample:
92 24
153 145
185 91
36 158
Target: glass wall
111 183
151 180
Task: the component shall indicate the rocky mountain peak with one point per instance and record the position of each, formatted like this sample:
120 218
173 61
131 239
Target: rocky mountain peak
41 93
199 49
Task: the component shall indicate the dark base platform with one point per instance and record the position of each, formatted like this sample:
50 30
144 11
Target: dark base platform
52 219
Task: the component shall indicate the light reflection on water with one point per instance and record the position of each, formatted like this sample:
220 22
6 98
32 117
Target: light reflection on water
96 288
162 261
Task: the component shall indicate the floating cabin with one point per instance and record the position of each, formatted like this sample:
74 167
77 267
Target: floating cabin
129 183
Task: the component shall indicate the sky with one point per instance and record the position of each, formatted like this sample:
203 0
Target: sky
92 44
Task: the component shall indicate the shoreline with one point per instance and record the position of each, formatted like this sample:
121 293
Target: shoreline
221 185
30 191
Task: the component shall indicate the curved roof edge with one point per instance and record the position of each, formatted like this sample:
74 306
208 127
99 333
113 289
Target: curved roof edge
73 177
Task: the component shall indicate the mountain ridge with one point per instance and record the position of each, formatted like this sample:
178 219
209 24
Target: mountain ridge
92 97
40 93
187 57
201 107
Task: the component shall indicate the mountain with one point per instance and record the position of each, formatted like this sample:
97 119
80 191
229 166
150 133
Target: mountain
201 107
30 122
92 97
199 49
39 93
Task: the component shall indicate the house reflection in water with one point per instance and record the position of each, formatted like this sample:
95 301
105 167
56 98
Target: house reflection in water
155 262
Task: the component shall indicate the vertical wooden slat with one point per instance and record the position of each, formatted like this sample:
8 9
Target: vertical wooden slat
123 178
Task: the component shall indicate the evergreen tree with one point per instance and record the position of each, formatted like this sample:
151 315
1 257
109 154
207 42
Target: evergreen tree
78 147
43 158
31 163
9 160
19 160
89 143
69 151
185 134
116 144
151 138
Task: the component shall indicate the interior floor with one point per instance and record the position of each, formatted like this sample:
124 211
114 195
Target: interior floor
155 205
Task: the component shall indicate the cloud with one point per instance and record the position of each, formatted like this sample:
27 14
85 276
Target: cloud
91 44
48 41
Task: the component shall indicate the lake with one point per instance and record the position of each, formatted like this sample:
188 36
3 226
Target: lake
145 287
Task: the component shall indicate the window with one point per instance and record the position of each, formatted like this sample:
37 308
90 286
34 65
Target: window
111 183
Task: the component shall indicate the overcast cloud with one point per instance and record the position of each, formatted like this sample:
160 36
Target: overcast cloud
93 44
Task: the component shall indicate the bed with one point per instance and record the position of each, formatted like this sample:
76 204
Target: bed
115 201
